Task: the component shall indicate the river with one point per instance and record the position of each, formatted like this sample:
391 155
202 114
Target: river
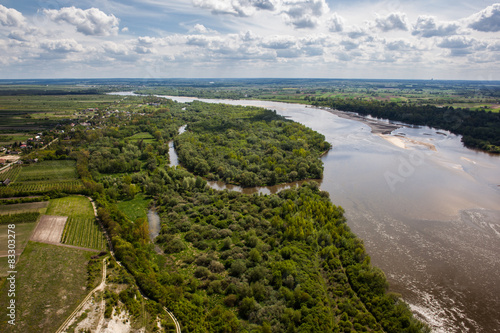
426 207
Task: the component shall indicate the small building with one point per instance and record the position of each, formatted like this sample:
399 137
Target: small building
6 182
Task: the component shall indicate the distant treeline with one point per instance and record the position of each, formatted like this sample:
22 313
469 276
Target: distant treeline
479 129
39 92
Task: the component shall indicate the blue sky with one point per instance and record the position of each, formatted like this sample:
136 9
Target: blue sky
391 39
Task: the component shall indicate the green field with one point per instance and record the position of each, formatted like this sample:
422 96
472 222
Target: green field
84 232
24 207
23 234
12 173
13 137
145 136
49 171
74 206
81 228
43 177
136 208
50 284
35 188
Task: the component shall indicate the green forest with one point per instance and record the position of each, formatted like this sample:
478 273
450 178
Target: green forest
249 146
232 262
226 261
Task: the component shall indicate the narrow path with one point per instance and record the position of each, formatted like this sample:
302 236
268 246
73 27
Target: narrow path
171 315
100 287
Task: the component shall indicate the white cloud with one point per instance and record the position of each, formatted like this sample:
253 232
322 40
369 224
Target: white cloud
248 36
304 13
494 46
279 42
201 29
393 21
255 37
89 22
349 45
427 27
456 42
10 17
336 23
298 13
115 49
487 20
398 45
235 7
357 32
62 46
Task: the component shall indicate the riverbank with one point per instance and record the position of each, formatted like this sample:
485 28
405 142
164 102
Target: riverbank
377 126
382 129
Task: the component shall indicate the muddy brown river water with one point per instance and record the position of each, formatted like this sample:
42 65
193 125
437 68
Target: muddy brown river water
427 208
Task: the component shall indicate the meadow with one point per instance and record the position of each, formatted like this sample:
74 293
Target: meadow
50 283
135 208
25 221
144 136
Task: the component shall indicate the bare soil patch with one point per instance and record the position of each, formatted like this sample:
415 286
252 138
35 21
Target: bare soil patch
49 229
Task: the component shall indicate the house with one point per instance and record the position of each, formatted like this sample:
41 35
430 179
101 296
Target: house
6 182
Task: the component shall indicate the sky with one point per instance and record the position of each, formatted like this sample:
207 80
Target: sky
365 39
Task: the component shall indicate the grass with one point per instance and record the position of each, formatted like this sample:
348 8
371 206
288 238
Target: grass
11 173
73 206
135 208
49 171
50 284
83 232
43 177
81 228
24 207
13 137
145 136
23 234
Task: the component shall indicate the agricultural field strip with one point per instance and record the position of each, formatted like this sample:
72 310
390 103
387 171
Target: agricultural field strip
10 172
83 232
49 229
100 287
49 170
23 207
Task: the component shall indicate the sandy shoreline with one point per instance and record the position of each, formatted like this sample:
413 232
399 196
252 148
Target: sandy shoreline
377 126
381 129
